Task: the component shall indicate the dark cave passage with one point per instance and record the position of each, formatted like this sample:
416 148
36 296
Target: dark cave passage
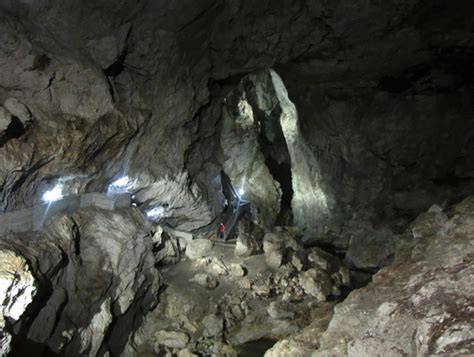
15 130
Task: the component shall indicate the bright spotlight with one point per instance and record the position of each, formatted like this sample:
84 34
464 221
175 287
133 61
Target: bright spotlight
155 213
241 191
121 185
56 193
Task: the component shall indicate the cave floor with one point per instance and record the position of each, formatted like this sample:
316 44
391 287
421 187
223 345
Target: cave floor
242 308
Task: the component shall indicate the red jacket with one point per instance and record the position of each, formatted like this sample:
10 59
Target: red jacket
222 228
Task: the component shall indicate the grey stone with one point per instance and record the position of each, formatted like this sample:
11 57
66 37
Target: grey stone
370 249
279 311
5 119
17 289
205 280
198 248
274 259
409 298
316 283
213 325
237 270
245 246
172 339
90 258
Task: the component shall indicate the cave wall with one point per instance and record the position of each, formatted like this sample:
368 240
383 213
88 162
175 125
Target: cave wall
391 129
104 90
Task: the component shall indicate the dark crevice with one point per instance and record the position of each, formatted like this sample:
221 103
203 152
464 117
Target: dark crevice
14 130
21 345
117 67
404 81
40 63
76 236
113 71
279 169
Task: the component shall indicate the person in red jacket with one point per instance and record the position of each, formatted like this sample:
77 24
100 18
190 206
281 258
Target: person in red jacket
221 231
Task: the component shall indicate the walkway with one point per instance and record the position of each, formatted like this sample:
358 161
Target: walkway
236 206
33 219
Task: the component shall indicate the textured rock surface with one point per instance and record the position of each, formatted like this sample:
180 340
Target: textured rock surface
155 77
17 289
198 248
420 305
244 162
261 304
96 277
365 121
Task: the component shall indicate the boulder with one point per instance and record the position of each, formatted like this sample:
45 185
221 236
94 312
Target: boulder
213 325
421 304
371 249
172 339
274 258
245 246
428 223
217 267
17 289
316 283
237 270
18 109
198 248
279 311
205 280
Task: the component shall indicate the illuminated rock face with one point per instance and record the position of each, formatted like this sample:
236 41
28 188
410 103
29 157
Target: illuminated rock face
17 289
95 273
104 91
244 162
310 204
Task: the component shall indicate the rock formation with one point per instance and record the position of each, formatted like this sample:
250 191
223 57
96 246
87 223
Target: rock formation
347 125
420 305
94 278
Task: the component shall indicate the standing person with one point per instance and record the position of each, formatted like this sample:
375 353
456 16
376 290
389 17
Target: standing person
221 231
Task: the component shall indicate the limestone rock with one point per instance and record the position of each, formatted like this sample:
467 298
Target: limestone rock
89 259
5 119
18 109
218 267
213 265
213 325
186 353
93 336
245 283
274 258
237 270
245 246
316 283
422 299
205 280
17 289
278 311
172 339
198 248
244 162
304 342
371 249
427 224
